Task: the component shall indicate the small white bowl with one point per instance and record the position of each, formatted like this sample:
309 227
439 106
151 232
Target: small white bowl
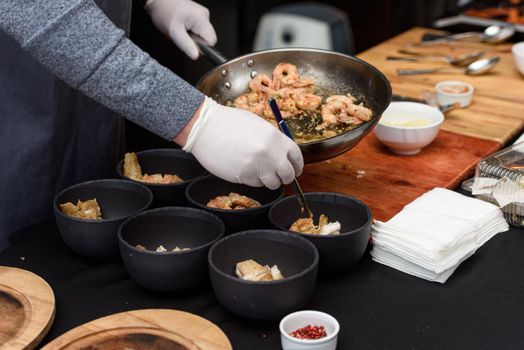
445 97
408 140
300 319
518 54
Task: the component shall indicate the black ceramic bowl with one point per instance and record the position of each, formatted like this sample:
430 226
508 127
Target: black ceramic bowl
337 252
167 161
170 227
199 192
118 199
295 256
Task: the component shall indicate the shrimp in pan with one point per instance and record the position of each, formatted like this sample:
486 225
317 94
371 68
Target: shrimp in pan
340 108
252 102
262 84
312 113
284 74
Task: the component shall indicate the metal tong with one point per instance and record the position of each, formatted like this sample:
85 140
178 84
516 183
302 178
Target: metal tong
285 129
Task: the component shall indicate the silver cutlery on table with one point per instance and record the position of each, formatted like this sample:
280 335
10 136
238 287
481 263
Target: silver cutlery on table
494 34
462 60
476 68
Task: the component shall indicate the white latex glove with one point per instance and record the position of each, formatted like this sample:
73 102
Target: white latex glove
240 147
175 18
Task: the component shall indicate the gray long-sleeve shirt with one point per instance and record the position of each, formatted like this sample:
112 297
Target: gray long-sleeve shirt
80 45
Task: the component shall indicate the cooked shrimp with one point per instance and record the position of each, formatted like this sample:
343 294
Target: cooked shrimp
162 179
303 82
330 113
233 201
287 104
340 99
286 110
220 202
297 96
360 112
347 119
243 202
342 109
252 102
304 225
261 83
284 74
325 227
308 102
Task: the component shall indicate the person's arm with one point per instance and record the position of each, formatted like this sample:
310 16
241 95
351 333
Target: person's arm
79 44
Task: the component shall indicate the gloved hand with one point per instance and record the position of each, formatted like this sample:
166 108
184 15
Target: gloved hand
240 147
175 18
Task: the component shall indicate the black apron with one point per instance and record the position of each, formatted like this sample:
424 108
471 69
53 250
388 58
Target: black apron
51 135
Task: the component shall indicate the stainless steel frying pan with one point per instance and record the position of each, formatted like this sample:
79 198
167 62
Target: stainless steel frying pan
333 72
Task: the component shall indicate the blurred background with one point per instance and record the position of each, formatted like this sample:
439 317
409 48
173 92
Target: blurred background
349 26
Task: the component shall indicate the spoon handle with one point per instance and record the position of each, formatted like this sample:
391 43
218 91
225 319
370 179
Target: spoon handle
425 54
397 58
453 38
449 107
466 35
417 71
418 59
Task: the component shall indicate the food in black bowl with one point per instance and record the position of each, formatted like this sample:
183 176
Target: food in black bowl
248 211
337 251
267 295
88 214
165 249
166 172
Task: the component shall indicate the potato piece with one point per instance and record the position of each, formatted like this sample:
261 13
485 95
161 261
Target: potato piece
82 210
131 167
250 270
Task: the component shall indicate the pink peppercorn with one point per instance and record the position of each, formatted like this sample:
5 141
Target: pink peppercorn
309 332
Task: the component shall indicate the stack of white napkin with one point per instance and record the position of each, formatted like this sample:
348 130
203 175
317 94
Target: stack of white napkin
432 235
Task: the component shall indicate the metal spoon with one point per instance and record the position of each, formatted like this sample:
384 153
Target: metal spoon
476 68
462 60
494 34
431 99
498 33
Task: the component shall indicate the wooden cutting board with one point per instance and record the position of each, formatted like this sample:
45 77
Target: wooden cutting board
27 308
144 330
497 111
386 181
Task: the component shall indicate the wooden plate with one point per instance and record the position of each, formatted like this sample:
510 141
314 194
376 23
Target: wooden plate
27 308
143 330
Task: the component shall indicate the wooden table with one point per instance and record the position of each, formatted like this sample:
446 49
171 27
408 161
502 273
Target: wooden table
387 182
497 111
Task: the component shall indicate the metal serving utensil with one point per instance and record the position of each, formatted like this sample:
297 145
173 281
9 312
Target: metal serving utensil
285 129
462 60
494 34
476 68
430 98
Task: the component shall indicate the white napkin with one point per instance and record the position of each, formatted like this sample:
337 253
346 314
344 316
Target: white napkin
433 234
385 257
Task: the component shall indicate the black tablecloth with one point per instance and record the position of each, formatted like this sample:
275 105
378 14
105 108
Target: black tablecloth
480 307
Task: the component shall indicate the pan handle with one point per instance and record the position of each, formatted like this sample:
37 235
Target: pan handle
215 56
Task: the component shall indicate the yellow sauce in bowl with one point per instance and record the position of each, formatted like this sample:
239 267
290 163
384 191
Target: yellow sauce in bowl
407 123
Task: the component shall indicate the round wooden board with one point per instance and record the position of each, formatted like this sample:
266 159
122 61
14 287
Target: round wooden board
143 330
27 308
